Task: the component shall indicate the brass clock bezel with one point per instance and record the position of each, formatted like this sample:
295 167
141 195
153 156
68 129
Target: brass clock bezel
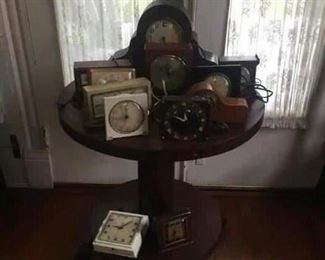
222 75
185 70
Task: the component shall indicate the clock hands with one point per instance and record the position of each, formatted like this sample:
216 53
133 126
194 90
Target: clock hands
122 226
184 119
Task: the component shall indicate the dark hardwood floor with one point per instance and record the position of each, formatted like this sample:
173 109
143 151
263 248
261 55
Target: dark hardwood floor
42 225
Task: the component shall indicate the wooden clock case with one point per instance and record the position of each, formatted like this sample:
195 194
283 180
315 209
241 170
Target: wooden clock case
160 9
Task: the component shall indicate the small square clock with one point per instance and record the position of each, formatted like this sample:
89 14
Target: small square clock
121 233
174 231
93 105
88 72
126 115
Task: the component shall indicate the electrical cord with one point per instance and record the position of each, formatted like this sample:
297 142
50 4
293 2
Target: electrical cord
251 90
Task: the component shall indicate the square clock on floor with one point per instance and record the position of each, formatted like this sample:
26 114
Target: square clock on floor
121 233
174 230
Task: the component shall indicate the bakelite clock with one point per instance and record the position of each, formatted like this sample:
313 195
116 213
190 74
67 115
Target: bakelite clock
121 233
185 118
126 115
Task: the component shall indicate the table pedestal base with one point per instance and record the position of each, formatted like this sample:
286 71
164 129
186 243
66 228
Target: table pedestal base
206 222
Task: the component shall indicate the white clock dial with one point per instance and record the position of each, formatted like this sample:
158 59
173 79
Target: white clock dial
120 228
164 31
126 117
220 84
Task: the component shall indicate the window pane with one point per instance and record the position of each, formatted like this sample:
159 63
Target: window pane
94 29
288 37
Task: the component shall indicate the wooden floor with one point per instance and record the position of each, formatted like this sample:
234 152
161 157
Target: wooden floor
46 225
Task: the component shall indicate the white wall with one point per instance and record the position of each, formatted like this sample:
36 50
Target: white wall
11 119
274 158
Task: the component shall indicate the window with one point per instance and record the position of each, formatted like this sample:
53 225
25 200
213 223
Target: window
288 36
95 29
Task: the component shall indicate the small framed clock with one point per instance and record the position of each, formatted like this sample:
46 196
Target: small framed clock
126 115
174 230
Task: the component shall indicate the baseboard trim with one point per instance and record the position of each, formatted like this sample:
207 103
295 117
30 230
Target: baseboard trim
38 169
19 185
215 190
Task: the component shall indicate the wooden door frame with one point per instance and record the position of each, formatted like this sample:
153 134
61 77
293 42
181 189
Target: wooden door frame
35 156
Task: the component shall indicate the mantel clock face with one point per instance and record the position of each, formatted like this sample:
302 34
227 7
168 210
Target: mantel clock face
164 31
185 120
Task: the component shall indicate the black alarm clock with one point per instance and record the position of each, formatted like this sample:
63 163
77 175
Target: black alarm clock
248 66
185 118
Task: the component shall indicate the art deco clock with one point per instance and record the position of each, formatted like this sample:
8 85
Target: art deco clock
185 118
121 233
93 104
126 115
96 72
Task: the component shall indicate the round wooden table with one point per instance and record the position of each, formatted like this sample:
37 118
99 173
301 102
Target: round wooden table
156 191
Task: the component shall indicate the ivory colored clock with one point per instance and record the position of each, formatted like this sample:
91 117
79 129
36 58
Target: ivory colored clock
126 115
121 233
94 97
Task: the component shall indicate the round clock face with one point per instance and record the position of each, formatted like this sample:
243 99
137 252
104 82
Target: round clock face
164 31
220 83
185 121
168 73
126 117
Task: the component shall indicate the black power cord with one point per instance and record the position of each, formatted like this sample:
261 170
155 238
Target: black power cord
255 90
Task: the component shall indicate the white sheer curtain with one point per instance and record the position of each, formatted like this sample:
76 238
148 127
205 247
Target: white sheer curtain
289 37
94 29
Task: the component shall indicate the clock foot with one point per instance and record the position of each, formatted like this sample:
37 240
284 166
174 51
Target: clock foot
206 222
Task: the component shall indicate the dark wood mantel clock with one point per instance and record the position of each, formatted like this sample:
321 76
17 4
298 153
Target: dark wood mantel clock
165 50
